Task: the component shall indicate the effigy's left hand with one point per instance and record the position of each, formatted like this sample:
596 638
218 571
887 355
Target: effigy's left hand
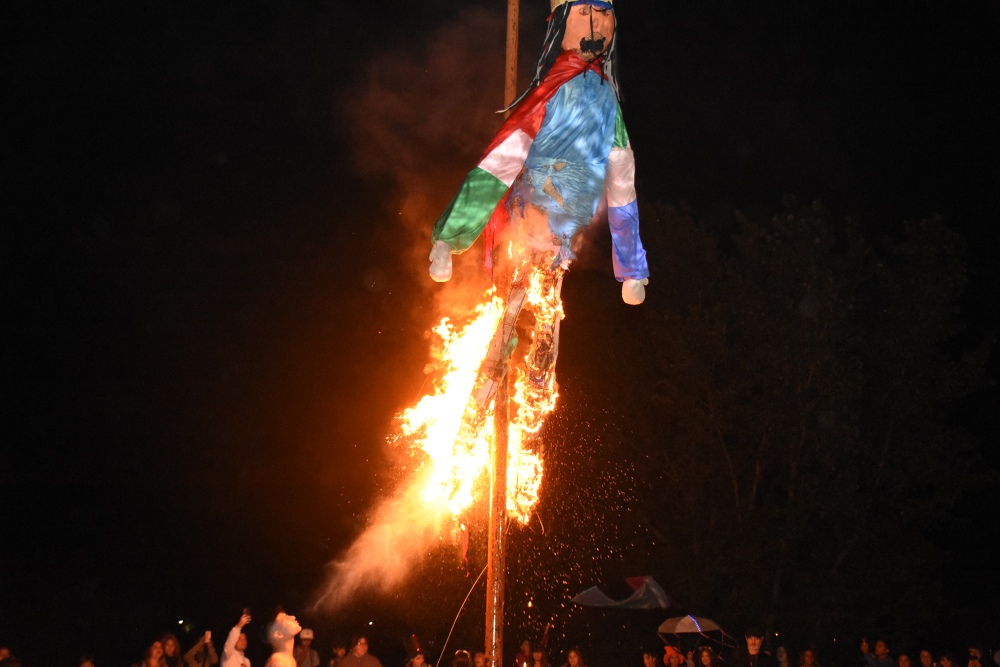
634 291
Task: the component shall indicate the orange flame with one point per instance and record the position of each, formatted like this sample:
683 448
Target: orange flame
450 432
443 425
535 394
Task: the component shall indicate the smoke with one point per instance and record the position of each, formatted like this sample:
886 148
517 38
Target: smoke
420 121
384 554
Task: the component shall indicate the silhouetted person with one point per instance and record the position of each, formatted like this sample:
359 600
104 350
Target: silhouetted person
672 657
574 658
172 651
754 655
523 656
881 657
462 659
808 659
418 659
203 653
359 655
153 656
339 651
704 656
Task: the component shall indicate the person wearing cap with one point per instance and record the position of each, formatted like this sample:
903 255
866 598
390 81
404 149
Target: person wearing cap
281 635
755 655
672 657
305 655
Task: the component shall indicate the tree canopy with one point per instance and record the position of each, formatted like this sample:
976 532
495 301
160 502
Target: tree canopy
785 397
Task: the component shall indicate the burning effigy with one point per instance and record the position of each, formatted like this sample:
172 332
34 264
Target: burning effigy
560 159
562 153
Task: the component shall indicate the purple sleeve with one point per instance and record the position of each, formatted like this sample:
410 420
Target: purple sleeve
628 255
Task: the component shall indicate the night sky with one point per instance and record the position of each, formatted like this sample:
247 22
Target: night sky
215 287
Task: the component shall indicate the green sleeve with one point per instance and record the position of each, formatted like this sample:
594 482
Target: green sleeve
621 134
467 214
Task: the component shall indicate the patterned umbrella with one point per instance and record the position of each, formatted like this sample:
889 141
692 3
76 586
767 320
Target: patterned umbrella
688 625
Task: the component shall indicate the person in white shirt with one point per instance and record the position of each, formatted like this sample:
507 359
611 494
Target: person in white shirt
236 643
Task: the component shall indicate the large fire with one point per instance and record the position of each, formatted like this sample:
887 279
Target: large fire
449 433
452 432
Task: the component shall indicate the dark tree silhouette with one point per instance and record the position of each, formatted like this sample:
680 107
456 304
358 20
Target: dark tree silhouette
785 395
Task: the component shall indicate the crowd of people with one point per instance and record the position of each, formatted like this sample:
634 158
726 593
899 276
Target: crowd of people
292 646
753 654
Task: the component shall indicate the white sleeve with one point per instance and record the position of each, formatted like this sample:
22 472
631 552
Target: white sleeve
230 644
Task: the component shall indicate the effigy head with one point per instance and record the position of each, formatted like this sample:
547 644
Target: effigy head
607 4
586 27
590 26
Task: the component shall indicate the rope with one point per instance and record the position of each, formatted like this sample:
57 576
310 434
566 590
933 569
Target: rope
455 622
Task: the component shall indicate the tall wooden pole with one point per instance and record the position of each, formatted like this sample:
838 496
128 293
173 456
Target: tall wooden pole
496 566
510 72
496 559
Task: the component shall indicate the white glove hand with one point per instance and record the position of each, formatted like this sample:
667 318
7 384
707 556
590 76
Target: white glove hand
634 291
440 262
